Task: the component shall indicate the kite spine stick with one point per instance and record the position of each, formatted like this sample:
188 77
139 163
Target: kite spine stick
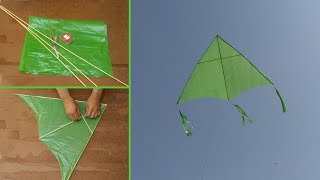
16 17
86 123
224 77
56 129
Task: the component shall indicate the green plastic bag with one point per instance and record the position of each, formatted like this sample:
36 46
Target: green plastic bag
65 138
90 42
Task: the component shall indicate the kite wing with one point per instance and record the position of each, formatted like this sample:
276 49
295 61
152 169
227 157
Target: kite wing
66 139
222 72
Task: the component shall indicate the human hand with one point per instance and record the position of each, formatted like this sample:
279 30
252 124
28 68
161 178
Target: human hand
93 106
72 109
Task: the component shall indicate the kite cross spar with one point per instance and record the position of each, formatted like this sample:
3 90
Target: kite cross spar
224 73
56 54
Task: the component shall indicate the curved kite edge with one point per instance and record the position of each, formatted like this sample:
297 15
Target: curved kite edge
284 107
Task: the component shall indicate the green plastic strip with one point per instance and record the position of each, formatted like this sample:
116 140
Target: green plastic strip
90 42
65 138
185 123
243 115
284 107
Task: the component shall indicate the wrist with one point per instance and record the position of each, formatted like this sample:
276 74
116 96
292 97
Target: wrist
67 99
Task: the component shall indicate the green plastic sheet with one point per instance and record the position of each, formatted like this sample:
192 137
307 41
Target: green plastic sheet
90 42
65 138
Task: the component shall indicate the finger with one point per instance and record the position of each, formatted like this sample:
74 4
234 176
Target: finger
90 113
79 117
87 110
96 114
79 114
93 115
72 117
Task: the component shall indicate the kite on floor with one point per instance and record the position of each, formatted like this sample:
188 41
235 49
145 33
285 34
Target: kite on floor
224 73
65 138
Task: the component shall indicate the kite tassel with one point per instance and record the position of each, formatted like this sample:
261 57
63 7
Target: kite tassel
243 115
185 123
284 108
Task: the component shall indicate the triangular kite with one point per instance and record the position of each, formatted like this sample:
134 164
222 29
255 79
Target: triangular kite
223 72
65 138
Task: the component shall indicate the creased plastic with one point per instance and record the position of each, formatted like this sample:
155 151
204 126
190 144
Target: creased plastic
65 138
90 42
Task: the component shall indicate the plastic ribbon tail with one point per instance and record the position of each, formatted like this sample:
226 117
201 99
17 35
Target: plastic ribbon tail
284 108
185 123
243 114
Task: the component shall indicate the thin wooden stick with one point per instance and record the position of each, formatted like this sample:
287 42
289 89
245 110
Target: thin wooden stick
7 11
56 129
86 123
58 53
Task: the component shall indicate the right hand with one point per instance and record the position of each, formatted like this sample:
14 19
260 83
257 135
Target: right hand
72 109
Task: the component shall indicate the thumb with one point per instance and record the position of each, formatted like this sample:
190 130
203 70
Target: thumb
87 110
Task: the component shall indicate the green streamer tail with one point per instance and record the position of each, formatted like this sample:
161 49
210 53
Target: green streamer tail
284 108
243 115
185 123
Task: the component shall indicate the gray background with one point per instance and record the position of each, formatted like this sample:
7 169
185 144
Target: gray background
280 37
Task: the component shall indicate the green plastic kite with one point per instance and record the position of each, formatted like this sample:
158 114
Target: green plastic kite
65 138
90 42
224 73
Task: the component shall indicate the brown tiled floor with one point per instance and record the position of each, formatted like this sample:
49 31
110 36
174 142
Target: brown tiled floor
113 12
24 157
